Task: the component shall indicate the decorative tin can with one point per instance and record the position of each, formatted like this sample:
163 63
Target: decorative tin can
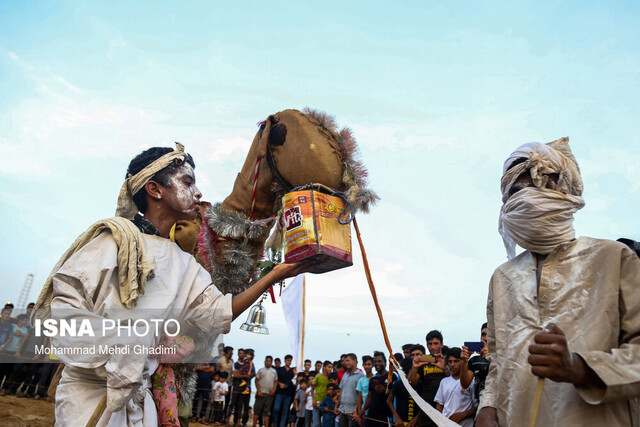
313 229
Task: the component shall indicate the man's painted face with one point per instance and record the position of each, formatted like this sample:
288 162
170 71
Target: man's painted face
182 196
379 363
434 345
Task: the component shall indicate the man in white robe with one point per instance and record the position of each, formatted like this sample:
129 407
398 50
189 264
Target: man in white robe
128 268
566 309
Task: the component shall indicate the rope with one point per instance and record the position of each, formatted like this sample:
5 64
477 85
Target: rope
373 291
330 191
255 188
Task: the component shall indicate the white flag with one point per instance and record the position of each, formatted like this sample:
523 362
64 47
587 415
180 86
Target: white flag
292 305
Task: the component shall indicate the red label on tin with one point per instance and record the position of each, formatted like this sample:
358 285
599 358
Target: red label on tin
292 218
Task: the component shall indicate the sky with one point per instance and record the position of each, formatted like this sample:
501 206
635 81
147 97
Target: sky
438 94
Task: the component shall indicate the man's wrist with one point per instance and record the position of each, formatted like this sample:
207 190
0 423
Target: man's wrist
582 375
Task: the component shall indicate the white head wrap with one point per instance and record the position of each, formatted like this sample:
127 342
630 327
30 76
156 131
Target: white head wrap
540 218
126 206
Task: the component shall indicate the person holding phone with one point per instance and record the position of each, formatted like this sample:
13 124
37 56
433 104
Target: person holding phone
476 367
431 373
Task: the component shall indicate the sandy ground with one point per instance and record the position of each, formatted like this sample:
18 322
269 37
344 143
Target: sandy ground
19 412
23 412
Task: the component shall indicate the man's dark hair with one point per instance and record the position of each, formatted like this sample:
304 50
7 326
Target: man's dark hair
337 365
418 347
342 356
307 360
367 358
22 316
454 352
326 363
224 374
484 325
288 357
380 354
435 334
406 346
250 352
352 356
241 350
399 357
313 373
331 386
301 375
227 349
334 376
268 357
277 359
162 177
445 350
318 361
406 364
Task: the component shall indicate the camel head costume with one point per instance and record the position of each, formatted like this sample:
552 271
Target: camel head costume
290 149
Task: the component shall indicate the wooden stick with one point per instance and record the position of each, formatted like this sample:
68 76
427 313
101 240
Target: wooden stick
535 406
97 413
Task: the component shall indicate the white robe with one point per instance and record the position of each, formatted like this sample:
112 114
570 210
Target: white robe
88 285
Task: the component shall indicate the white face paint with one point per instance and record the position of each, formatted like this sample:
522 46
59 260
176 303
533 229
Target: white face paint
185 196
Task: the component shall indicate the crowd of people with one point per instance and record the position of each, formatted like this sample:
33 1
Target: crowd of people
22 371
342 393
565 313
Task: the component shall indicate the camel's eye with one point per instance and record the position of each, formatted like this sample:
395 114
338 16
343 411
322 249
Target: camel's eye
278 134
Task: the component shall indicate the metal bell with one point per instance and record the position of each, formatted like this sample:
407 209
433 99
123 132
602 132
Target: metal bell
256 319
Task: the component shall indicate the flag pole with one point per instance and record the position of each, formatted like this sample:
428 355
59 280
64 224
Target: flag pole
303 318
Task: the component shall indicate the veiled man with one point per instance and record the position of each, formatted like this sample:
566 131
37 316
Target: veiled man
566 309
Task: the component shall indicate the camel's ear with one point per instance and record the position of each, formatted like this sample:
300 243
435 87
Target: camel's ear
274 133
264 137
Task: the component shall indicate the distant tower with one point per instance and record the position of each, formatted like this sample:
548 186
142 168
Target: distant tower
24 294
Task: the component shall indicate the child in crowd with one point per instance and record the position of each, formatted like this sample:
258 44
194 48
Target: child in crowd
452 400
334 378
328 407
308 406
299 401
220 390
